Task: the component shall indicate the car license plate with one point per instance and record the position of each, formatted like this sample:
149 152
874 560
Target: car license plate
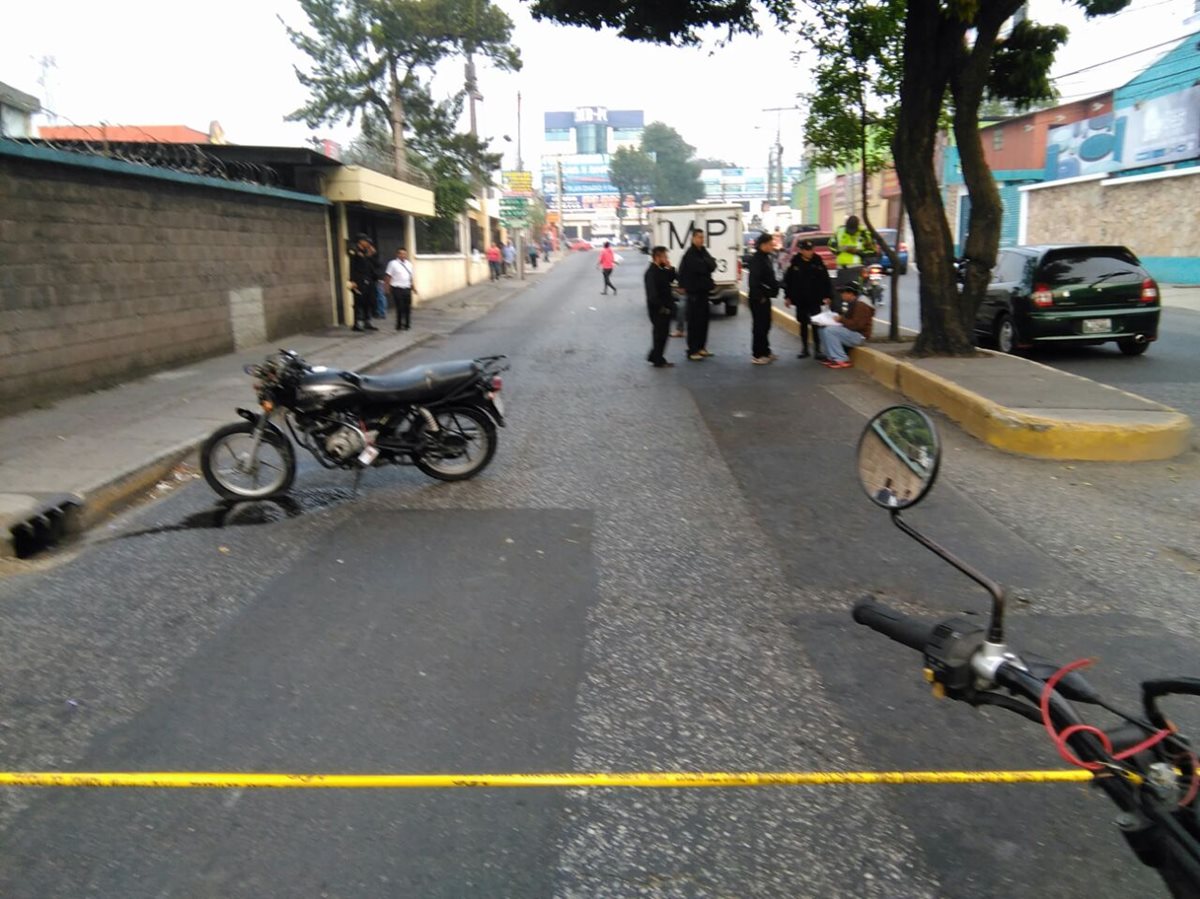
1097 325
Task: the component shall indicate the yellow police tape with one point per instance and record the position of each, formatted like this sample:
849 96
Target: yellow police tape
237 780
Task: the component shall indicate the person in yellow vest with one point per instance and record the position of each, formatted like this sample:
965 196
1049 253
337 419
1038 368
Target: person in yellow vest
851 242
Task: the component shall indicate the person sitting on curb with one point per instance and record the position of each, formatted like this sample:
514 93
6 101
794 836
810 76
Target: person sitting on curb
853 327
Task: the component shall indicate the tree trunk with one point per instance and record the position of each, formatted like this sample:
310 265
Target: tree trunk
983 225
396 104
927 73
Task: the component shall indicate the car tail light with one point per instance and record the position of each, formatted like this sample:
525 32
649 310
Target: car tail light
1149 291
497 383
1042 296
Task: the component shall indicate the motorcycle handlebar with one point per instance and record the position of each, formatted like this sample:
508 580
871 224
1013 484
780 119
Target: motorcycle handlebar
912 632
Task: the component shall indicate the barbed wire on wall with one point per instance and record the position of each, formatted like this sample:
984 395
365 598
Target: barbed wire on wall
187 158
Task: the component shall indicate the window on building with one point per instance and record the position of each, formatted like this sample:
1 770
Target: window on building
997 138
591 137
436 235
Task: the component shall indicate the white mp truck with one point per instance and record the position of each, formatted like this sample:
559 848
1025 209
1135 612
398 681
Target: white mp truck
671 227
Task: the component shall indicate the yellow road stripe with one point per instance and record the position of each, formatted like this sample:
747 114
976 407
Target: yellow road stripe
237 780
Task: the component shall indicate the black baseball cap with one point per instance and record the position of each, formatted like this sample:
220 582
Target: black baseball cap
805 245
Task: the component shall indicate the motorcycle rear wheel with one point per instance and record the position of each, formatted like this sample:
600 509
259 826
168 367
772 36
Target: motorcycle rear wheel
225 461
462 448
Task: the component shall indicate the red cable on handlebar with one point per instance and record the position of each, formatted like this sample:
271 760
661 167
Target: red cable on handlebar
1060 738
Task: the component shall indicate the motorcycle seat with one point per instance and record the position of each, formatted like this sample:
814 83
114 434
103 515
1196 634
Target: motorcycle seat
421 383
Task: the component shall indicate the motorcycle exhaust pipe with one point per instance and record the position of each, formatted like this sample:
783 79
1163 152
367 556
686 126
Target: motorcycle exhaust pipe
1139 339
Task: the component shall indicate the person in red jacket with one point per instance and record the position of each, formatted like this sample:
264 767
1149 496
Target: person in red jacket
493 258
607 262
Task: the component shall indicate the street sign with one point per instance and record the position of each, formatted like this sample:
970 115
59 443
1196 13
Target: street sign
518 184
513 204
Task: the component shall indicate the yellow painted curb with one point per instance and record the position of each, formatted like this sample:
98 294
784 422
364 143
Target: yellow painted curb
785 321
1025 433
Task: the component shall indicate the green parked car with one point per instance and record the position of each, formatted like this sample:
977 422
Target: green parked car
1069 294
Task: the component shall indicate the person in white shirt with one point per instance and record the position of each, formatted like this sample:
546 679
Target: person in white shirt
399 278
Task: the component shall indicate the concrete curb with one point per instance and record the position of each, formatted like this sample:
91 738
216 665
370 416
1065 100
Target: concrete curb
125 489
106 498
1163 433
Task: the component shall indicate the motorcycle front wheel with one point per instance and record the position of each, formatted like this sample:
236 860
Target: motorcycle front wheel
234 472
461 448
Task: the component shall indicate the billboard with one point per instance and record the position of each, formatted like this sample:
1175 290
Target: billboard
1150 133
1086 147
585 175
743 183
1165 129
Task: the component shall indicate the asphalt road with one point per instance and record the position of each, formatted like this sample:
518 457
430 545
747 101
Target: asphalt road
1168 372
655 573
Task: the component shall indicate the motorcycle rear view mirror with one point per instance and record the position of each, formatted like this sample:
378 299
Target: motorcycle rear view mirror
898 456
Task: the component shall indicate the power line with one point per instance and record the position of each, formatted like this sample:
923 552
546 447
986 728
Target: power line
1166 76
1098 65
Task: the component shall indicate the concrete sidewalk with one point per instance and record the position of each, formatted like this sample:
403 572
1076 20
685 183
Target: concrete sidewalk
1180 296
1021 406
66 466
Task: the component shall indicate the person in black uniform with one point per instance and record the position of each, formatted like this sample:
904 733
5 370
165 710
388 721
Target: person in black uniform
364 273
763 287
695 277
806 285
660 304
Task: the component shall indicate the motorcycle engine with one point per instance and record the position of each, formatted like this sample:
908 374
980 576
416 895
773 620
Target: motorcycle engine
344 443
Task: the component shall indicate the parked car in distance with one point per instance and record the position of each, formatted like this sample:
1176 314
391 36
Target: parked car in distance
578 243
748 240
890 235
1081 294
793 230
820 246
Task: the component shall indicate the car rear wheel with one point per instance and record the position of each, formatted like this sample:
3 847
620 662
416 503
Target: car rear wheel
1004 333
1132 347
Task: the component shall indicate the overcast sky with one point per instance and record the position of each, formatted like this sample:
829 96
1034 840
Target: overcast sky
142 62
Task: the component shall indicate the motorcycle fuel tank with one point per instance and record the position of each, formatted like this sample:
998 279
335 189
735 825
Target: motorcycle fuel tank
323 387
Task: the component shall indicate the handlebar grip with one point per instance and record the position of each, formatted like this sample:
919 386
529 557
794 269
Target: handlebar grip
912 632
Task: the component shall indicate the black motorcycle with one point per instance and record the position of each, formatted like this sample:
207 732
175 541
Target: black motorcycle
441 418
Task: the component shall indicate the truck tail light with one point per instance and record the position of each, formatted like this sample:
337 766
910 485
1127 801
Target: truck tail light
739 262
1042 296
1149 291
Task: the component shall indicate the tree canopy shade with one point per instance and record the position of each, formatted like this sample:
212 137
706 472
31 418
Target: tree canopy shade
677 180
371 59
944 49
633 173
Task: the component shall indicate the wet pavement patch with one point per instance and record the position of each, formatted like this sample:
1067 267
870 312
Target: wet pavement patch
251 512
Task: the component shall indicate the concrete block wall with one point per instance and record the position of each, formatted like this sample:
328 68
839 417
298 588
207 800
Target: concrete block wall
1156 217
106 276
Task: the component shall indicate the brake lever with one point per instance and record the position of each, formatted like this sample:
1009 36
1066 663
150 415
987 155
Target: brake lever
1073 685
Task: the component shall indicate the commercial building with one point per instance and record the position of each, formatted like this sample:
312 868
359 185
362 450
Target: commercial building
575 180
1122 167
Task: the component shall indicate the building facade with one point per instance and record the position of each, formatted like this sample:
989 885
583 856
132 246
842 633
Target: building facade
575 180
1121 167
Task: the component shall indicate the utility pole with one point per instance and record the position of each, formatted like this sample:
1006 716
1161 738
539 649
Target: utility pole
521 230
775 172
562 232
